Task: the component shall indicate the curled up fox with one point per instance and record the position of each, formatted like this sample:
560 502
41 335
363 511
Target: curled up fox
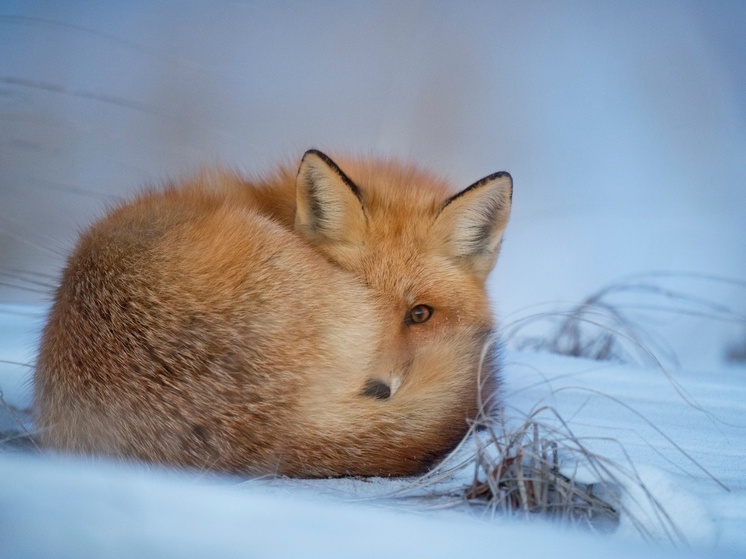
324 321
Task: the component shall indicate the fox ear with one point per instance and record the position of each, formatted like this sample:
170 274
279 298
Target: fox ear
329 205
470 225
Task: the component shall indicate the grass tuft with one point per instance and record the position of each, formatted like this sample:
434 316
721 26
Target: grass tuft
607 325
517 472
534 467
14 433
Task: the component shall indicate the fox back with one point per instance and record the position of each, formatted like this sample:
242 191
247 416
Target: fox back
324 322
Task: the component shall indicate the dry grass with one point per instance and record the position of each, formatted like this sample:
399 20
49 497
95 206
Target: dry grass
517 471
537 469
613 324
529 466
31 282
14 434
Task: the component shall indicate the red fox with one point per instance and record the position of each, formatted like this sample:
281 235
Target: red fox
327 322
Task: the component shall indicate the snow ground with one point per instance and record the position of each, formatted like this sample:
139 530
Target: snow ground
672 429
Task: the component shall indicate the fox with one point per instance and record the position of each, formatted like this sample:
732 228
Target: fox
325 320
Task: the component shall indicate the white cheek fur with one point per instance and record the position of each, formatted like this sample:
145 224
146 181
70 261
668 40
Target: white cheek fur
395 384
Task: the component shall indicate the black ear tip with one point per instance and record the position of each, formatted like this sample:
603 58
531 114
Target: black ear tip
334 167
501 175
508 176
318 153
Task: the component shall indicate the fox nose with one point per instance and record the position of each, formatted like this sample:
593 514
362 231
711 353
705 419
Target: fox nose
384 389
375 388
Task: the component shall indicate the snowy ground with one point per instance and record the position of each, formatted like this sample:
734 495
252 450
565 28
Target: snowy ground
684 435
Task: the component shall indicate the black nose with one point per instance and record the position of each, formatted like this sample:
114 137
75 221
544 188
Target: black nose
375 388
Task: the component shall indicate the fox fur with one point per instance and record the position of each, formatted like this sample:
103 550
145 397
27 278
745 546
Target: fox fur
325 322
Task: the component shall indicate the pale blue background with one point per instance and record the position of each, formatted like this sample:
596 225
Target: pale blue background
623 123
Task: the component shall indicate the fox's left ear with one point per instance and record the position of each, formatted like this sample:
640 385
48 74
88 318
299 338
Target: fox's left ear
470 225
329 206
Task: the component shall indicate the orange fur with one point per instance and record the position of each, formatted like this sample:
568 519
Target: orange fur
266 327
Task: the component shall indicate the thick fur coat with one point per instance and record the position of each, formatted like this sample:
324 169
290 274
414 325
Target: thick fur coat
324 322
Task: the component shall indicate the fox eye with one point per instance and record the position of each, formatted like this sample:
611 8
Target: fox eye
419 314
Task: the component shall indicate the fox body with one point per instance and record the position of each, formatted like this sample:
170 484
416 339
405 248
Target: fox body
324 322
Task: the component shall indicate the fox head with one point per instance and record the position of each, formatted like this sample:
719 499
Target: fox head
425 252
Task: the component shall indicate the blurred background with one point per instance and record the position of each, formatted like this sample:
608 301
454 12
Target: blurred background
622 123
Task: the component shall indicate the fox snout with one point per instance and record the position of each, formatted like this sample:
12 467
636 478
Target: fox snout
460 369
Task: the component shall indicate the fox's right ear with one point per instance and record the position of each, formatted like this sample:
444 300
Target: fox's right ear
470 225
329 206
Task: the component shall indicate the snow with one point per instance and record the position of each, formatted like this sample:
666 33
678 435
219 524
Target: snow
67 509
683 436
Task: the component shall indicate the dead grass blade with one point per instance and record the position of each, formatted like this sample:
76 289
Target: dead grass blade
606 325
18 437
